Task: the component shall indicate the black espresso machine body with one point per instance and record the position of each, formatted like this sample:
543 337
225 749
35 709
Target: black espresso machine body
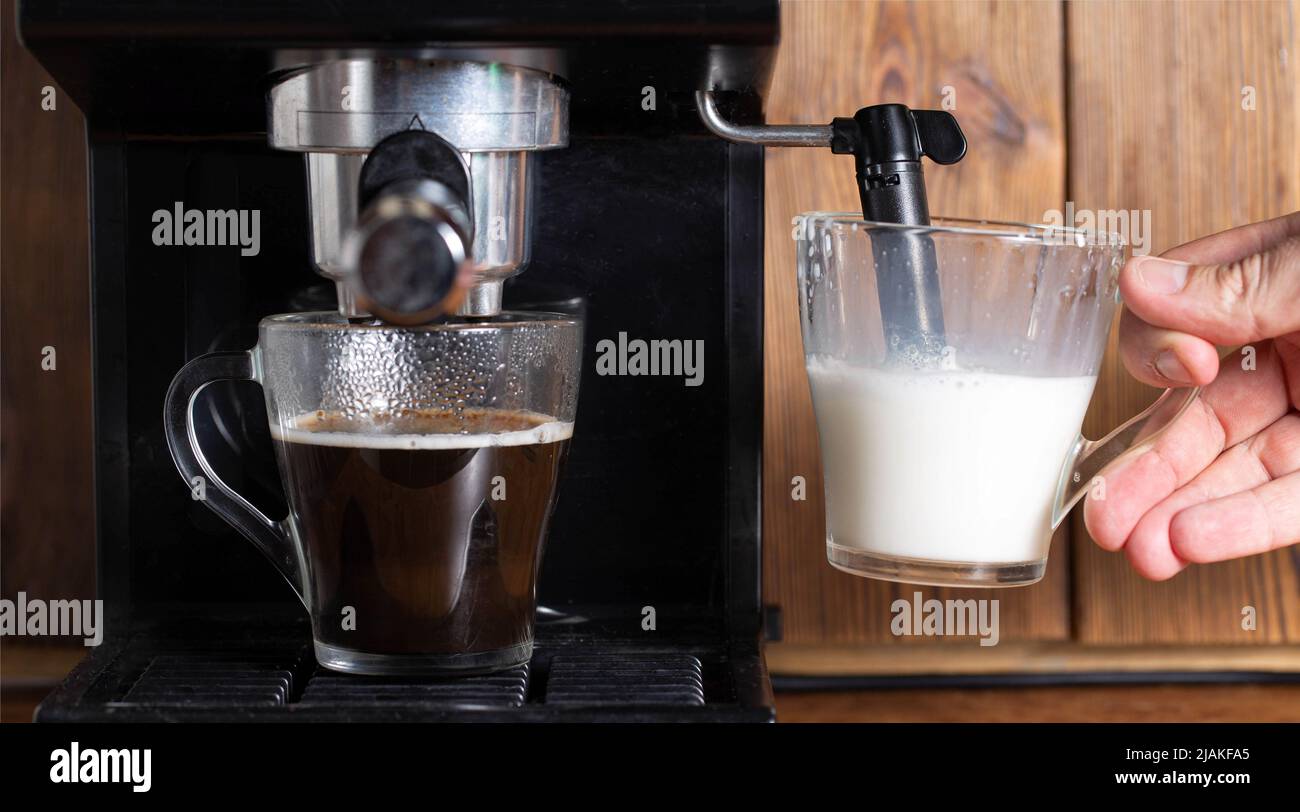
646 224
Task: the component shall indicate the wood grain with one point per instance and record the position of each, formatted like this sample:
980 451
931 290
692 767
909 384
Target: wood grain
1076 703
1050 657
1157 123
47 541
836 57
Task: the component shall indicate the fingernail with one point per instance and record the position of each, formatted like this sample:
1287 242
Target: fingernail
1168 365
1164 276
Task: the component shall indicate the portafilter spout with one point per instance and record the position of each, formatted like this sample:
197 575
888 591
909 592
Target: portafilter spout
408 259
887 142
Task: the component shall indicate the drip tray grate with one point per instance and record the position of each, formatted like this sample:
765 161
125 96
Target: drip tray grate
625 679
291 679
218 679
507 689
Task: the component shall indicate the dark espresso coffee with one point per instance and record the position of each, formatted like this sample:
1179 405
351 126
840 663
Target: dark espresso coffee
424 529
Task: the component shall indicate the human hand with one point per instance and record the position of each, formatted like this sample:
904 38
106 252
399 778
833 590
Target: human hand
1224 480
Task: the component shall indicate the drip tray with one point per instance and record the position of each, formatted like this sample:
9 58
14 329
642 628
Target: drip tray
571 677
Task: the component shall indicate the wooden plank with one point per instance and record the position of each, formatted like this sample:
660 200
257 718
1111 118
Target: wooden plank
1024 658
33 663
1157 123
47 507
1076 703
835 58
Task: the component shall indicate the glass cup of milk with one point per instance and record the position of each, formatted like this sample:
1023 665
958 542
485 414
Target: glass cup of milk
951 366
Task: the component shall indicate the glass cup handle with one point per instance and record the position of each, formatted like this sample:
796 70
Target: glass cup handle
273 538
1090 457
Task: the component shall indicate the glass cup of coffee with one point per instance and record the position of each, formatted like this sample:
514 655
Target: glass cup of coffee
950 368
420 468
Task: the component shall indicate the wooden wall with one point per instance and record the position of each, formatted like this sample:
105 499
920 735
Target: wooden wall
46 500
1157 122
1110 105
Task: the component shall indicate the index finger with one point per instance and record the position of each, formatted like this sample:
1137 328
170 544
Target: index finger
1235 243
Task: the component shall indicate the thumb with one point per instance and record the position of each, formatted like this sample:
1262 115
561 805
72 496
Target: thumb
1249 299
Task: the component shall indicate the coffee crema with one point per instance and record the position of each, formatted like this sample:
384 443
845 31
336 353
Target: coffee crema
424 528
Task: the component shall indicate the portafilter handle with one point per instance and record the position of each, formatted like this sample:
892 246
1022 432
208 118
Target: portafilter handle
409 258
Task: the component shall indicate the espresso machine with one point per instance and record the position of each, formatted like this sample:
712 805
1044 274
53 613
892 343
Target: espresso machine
406 159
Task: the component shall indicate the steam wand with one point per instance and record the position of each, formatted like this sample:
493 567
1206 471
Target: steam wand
887 142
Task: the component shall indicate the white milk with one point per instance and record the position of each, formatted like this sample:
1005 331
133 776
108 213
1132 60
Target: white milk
948 465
